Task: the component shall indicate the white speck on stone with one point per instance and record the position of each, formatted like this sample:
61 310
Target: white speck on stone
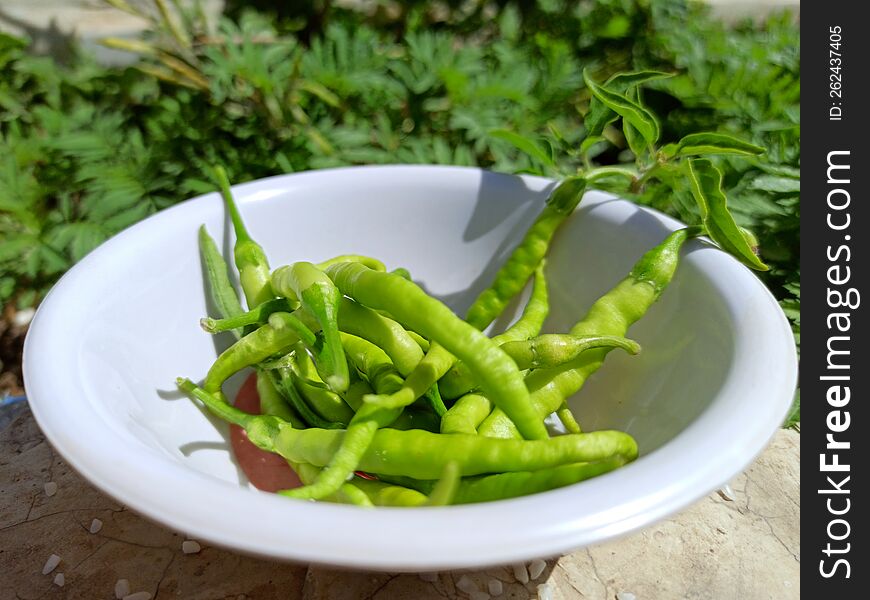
465 584
51 564
59 580
50 488
138 596
520 573
190 547
625 596
479 596
495 587
122 588
96 525
429 577
536 567
545 592
23 317
727 493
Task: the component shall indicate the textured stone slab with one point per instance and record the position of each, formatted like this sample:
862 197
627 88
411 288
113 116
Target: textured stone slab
747 548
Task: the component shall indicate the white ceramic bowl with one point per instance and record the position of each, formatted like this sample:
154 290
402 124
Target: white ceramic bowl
712 384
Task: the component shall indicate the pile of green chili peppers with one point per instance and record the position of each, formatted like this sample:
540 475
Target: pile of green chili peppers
377 394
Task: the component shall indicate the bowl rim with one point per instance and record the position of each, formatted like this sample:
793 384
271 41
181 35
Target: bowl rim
505 531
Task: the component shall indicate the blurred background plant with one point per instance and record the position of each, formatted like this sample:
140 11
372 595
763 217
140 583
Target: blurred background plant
282 87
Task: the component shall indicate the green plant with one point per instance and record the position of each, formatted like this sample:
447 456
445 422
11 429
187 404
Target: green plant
91 150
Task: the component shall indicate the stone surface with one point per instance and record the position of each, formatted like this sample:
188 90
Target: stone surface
745 549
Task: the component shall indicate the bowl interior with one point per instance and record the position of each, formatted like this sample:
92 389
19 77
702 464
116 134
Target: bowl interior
125 320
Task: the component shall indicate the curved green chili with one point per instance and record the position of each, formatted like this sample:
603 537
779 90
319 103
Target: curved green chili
411 306
419 454
569 422
317 395
372 263
283 381
320 297
500 486
545 351
221 291
612 314
421 341
458 380
444 490
555 349
256 316
383 377
273 403
386 494
349 493
250 259
466 414
358 320
254 348
513 275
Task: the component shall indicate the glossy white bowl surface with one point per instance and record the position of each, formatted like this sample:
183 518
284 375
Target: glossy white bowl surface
712 384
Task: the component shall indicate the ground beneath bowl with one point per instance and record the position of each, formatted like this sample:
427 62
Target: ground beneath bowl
741 543
13 327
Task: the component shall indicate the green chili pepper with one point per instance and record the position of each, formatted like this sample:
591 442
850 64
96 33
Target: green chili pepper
545 351
277 337
534 313
412 307
372 263
383 377
555 349
386 494
444 491
317 395
256 316
436 403
458 380
372 363
466 414
411 417
349 493
391 337
221 291
272 403
567 418
321 298
486 488
419 454
512 276
250 259
612 314
406 274
421 341
283 381
436 362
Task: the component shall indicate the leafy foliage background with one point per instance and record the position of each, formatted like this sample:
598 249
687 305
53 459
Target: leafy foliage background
88 150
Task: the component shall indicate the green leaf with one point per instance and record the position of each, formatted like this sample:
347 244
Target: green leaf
590 141
711 143
529 146
777 184
706 183
638 116
599 115
321 91
622 81
634 139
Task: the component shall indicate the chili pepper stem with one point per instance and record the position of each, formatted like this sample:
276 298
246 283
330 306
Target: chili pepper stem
223 181
261 429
